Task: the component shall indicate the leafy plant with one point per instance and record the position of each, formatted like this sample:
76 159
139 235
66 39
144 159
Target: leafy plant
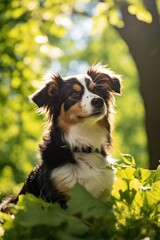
132 211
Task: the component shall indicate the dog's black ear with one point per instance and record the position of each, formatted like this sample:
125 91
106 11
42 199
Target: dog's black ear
40 97
103 76
49 91
115 84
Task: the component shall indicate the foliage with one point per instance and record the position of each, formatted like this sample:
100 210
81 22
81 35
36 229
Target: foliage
25 50
133 211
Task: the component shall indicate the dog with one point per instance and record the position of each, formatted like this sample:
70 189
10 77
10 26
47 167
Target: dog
77 139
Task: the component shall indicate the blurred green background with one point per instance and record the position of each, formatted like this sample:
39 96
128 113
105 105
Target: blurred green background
66 36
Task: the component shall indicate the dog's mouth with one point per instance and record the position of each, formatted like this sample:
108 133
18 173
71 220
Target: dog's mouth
99 112
96 113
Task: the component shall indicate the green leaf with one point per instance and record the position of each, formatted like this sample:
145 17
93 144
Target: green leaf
153 195
141 13
154 176
32 213
118 186
126 174
128 159
83 202
142 175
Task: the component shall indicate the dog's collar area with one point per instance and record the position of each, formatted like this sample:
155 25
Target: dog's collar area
85 150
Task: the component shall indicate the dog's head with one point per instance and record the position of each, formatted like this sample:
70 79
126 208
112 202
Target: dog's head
80 99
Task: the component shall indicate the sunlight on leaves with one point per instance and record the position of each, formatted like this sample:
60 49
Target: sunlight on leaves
128 159
132 209
115 19
141 13
99 24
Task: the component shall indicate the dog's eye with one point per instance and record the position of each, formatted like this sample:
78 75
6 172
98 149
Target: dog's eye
74 94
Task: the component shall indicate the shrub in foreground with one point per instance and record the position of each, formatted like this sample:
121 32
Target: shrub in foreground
132 211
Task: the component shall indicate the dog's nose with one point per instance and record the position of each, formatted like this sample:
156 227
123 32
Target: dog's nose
97 102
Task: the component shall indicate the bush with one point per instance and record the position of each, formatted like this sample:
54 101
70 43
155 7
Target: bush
132 211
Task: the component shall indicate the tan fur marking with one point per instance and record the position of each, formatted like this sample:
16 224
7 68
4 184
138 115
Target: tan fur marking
61 186
91 86
102 123
70 117
77 87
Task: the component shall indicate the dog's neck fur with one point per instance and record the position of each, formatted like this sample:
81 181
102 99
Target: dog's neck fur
81 138
86 135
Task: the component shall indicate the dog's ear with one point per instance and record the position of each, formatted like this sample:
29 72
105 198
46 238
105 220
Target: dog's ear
103 76
41 96
47 92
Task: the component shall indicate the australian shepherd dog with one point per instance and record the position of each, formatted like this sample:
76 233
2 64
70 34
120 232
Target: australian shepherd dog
77 138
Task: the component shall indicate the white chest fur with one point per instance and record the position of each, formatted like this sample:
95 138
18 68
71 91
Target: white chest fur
91 171
87 133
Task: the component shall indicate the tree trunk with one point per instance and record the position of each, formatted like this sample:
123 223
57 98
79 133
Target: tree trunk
143 40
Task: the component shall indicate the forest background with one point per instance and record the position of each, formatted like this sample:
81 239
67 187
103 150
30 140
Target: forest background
68 36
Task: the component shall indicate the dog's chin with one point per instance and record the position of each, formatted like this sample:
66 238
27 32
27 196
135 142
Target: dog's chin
96 114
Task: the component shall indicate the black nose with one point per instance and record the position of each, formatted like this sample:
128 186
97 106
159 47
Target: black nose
97 102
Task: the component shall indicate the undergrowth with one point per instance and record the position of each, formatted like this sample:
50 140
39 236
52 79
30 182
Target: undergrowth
131 212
